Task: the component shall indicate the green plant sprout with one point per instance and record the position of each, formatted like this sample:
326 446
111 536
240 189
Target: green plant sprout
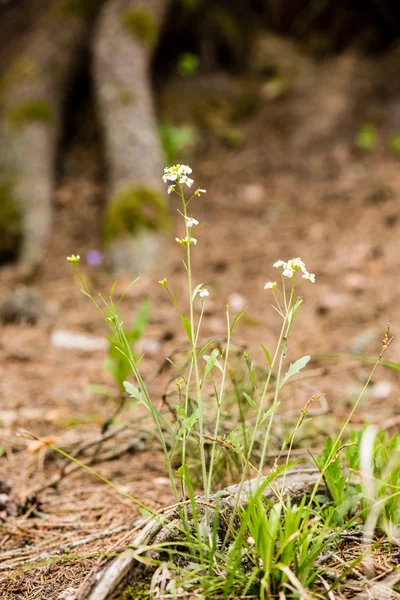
117 363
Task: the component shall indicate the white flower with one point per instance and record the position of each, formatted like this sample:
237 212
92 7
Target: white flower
288 272
292 266
309 276
171 188
199 191
177 173
203 293
73 259
279 263
169 175
186 240
187 180
184 169
191 221
296 264
271 285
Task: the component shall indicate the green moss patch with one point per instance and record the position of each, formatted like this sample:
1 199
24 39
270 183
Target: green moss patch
85 8
133 209
21 70
10 222
126 96
27 112
141 25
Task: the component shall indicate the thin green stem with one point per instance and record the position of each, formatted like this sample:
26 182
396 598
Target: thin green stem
220 399
194 351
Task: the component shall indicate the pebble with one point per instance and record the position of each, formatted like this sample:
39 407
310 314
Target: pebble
236 302
77 341
381 389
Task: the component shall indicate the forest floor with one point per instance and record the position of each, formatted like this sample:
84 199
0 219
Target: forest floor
335 206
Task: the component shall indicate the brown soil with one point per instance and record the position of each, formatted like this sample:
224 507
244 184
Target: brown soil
326 201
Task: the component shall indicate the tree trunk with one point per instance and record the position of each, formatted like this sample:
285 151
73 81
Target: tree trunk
137 210
31 104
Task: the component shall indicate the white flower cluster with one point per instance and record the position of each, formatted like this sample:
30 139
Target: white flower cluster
186 240
178 173
291 266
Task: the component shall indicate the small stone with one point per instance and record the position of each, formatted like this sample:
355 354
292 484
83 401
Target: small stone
22 306
356 282
161 481
332 301
149 346
253 193
236 302
381 390
77 341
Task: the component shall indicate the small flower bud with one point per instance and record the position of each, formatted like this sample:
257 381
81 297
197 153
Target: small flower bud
73 259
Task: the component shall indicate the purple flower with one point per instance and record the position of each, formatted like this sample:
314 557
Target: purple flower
94 258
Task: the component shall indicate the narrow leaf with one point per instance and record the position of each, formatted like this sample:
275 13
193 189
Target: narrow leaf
294 369
187 326
267 355
250 400
237 318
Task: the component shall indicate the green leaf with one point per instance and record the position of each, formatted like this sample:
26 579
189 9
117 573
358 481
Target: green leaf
133 391
188 327
188 424
294 310
250 400
267 355
294 369
237 318
113 289
269 412
366 137
140 321
126 290
212 361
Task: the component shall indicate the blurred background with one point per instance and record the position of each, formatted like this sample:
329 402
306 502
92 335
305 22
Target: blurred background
289 115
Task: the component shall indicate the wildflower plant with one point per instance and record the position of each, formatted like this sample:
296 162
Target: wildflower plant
285 538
